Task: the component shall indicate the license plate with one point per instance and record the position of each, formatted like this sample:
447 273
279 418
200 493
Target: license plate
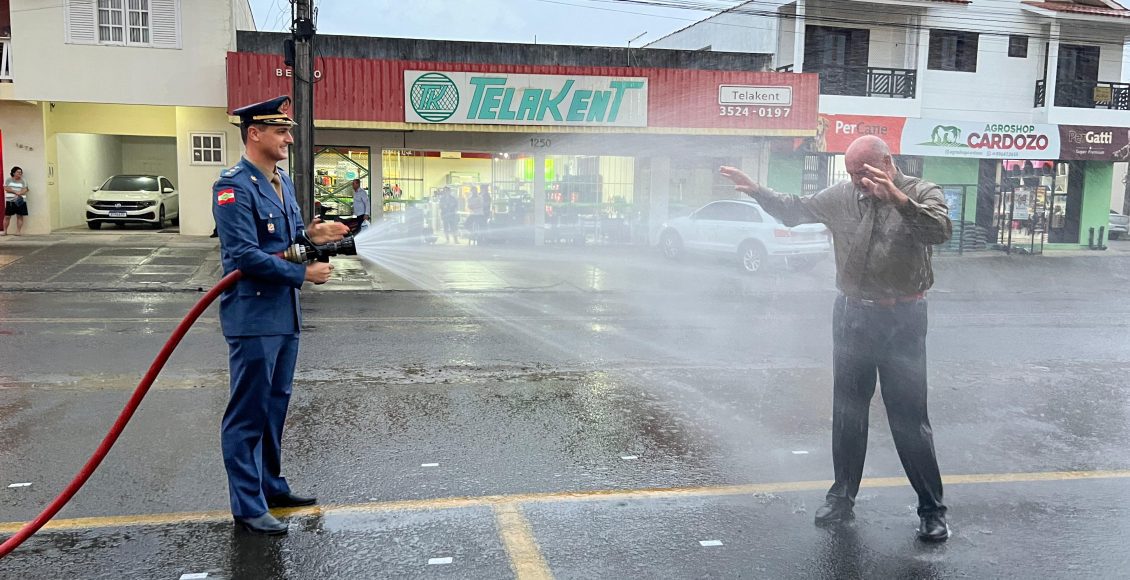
117 214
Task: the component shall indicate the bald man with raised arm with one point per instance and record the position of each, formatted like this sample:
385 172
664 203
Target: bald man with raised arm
883 224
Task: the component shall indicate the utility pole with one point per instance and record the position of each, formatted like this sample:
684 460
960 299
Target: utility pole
303 29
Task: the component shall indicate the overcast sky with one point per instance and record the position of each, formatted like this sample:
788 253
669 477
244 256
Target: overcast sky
582 22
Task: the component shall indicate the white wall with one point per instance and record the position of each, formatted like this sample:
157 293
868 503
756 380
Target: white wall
21 128
85 161
195 181
1002 88
727 32
1118 188
150 155
48 69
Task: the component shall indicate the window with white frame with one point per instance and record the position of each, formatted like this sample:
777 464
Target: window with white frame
138 21
208 148
111 21
150 23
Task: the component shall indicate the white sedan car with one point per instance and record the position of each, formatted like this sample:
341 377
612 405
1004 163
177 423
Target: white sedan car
123 199
741 229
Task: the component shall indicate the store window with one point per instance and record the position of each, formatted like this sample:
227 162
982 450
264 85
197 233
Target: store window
953 50
208 148
589 199
335 168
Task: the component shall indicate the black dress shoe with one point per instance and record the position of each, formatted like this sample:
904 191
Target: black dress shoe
265 524
933 528
834 512
288 499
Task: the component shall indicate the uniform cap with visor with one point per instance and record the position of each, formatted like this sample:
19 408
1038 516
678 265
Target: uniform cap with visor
269 112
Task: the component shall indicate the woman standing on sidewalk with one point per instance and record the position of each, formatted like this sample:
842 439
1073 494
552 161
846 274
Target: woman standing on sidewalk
15 200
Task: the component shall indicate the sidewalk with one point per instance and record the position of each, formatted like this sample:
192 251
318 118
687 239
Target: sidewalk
169 262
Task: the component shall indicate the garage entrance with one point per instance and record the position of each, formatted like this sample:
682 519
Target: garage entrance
135 203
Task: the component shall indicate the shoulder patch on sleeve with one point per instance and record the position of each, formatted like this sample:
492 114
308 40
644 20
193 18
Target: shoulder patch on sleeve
225 196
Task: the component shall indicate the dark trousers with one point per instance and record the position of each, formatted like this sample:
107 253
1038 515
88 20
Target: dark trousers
262 370
889 343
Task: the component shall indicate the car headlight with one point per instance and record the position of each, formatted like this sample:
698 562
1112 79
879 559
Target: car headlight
91 201
149 203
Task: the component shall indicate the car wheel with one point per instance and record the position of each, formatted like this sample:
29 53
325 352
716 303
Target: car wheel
751 257
160 219
94 225
671 244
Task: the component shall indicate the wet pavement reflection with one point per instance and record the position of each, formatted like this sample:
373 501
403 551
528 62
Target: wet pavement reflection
407 404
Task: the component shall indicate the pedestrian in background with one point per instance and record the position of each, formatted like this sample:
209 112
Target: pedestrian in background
257 216
476 216
15 200
449 214
883 224
361 204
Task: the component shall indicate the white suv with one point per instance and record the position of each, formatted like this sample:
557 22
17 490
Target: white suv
740 228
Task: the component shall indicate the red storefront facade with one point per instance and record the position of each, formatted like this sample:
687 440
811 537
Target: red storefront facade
634 156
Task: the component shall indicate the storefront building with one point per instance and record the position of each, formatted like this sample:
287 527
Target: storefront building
1019 187
570 144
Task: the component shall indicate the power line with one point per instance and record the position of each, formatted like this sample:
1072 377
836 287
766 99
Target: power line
1029 32
993 25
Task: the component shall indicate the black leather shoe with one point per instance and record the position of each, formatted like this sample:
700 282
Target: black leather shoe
265 524
834 512
933 528
288 499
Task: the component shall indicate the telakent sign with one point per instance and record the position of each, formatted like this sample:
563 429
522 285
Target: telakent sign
522 99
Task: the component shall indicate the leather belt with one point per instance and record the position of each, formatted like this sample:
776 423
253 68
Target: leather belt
888 301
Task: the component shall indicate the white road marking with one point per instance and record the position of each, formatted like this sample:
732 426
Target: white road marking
629 457
439 561
429 465
710 543
800 452
20 485
194 576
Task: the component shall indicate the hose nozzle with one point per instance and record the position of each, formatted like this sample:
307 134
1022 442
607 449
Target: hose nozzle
310 252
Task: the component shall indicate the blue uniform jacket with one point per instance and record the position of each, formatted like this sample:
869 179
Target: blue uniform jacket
253 225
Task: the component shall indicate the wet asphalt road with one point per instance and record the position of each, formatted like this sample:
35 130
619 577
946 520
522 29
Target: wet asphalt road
537 404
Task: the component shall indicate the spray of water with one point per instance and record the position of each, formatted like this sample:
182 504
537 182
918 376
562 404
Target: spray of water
509 308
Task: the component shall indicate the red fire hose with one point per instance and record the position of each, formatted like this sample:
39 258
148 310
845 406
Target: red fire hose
87 470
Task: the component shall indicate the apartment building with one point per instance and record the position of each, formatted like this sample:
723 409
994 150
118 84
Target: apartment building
93 88
1019 108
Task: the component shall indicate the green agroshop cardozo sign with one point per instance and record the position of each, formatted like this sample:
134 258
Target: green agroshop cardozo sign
522 99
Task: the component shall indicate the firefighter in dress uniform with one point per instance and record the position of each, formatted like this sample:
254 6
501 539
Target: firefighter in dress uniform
257 217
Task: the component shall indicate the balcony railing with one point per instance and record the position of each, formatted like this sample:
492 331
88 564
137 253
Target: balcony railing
863 81
5 60
1086 95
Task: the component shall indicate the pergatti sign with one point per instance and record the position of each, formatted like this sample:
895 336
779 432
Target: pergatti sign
518 99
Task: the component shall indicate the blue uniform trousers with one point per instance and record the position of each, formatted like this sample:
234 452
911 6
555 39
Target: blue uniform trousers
262 370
